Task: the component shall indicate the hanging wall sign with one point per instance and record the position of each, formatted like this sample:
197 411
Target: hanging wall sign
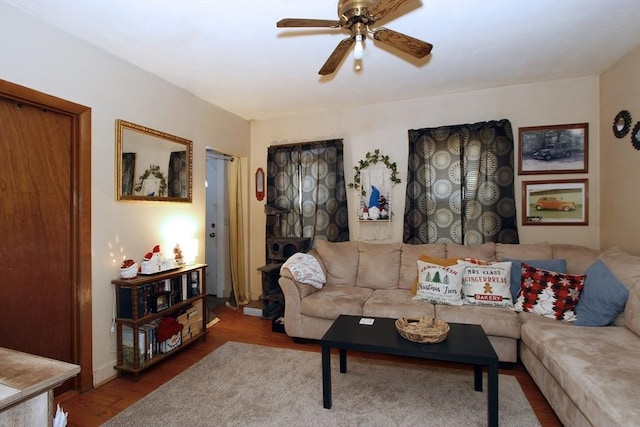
374 178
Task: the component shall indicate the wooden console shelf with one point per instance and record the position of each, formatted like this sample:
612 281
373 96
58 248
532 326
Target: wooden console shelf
143 303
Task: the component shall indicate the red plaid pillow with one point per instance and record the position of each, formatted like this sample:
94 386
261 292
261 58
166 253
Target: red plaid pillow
548 293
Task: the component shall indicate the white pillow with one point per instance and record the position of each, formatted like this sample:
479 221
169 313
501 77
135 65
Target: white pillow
487 285
306 269
438 284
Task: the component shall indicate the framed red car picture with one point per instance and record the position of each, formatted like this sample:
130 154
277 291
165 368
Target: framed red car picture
560 202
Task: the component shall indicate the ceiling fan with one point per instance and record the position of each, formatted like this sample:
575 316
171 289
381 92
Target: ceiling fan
357 16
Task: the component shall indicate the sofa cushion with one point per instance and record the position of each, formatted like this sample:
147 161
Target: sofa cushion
487 285
496 321
532 317
340 260
485 252
379 265
632 317
409 257
333 301
549 293
438 284
523 251
624 266
579 258
597 367
396 303
602 298
558 265
315 254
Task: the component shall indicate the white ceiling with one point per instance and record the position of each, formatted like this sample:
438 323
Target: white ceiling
230 53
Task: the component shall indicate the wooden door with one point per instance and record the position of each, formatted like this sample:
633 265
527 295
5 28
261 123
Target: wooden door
40 260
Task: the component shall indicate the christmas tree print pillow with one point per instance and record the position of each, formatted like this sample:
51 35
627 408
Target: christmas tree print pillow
440 284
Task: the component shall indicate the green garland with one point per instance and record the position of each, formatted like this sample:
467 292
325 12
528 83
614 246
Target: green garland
372 159
156 172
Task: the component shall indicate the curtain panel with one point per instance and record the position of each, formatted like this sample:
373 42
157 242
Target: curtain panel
306 193
128 171
240 293
460 185
178 185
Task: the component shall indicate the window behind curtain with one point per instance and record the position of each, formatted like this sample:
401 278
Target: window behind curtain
460 185
306 183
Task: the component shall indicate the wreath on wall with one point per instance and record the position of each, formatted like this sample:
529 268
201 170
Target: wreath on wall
372 159
157 173
622 124
635 136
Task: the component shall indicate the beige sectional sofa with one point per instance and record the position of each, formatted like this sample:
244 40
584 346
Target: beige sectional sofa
589 375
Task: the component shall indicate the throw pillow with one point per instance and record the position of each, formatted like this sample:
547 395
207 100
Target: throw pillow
557 265
438 284
549 293
476 261
444 262
487 285
602 298
306 269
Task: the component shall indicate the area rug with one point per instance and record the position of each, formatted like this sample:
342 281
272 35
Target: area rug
251 385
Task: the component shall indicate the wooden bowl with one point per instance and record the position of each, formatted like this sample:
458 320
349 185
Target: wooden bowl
427 330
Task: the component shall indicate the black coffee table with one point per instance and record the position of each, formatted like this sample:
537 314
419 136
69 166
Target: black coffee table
464 344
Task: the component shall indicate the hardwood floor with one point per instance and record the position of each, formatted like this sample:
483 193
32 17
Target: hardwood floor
99 405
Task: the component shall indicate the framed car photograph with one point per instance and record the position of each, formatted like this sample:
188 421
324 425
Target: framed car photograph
560 202
553 149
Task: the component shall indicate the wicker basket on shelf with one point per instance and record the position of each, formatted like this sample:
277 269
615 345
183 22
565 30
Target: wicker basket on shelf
426 330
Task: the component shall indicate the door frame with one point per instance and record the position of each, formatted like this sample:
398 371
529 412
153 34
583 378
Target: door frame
223 273
80 221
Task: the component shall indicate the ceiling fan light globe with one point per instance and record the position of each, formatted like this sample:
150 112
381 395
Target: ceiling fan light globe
358 50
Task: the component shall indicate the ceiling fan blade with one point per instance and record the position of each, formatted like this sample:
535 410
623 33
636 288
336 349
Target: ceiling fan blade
381 8
336 56
295 22
403 42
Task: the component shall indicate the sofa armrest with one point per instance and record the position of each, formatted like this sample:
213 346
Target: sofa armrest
293 292
302 289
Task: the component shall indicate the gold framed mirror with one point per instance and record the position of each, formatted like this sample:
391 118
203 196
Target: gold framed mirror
152 165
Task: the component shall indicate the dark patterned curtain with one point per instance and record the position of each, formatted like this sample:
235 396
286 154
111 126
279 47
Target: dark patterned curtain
306 194
128 170
460 185
178 185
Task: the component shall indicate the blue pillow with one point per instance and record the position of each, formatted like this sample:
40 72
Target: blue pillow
557 265
602 299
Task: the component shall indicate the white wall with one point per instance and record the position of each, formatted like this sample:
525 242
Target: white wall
385 126
38 56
